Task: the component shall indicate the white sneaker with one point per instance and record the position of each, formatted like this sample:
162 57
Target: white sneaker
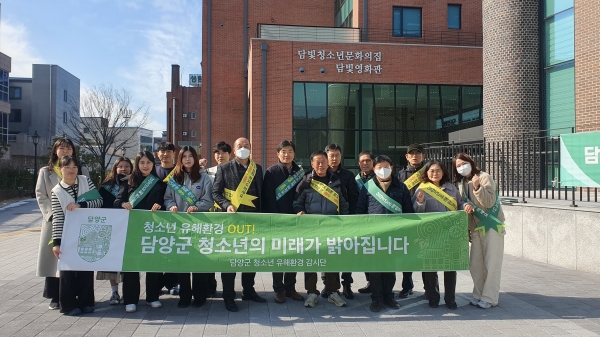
175 290
130 308
484 305
335 298
115 298
155 304
474 301
311 301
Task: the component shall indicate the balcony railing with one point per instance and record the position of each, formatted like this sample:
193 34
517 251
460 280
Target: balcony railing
355 35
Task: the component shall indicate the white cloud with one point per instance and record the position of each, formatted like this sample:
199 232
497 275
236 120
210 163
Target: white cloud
16 44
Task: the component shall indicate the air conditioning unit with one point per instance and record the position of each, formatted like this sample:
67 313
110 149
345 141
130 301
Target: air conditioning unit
184 115
184 133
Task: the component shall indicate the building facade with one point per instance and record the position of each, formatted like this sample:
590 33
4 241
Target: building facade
369 75
5 67
184 122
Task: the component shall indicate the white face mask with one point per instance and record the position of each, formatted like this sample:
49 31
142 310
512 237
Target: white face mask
464 170
242 153
383 172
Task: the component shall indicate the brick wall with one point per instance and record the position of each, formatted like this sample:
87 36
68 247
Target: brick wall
188 100
510 68
587 66
400 64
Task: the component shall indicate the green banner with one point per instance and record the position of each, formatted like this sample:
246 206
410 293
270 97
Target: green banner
579 153
138 240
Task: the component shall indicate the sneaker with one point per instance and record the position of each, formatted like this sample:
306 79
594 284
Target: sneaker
155 304
484 305
335 298
375 306
311 301
54 306
114 298
474 302
74 312
130 308
175 290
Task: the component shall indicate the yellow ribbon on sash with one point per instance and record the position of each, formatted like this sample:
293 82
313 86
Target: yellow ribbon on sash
240 196
326 192
413 180
57 170
439 195
169 176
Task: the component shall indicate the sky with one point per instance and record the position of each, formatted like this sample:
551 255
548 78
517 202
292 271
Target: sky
128 44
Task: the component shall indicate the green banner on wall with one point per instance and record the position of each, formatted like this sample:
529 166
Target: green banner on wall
120 240
579 153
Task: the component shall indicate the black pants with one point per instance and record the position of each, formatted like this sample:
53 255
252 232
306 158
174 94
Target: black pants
407 281
228 280
76 290
382 285
212 282
284 282
331 281
367 277
131 287
197 288
346 278
168 280
51 288
432 288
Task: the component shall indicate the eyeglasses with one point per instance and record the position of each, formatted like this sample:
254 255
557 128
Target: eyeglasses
435 171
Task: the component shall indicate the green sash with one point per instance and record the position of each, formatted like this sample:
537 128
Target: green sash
90 195
384 199
113 190
183 192
487 220
142 190
288 184
359 181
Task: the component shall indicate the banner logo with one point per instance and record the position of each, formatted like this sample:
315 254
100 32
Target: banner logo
94 242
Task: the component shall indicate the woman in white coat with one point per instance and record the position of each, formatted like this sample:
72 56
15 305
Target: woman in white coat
48 177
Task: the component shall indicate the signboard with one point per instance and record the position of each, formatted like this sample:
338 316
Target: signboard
352 62
121 240
579 153
195 80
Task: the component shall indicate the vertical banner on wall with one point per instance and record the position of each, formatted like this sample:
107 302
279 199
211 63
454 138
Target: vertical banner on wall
579 164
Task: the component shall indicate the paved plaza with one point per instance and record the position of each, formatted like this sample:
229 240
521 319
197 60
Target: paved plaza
536 300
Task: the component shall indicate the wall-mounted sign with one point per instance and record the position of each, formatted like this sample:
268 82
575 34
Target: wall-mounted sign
579 164
195 80
358 60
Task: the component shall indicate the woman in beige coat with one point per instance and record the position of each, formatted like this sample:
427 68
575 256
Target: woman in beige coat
48 177
487 237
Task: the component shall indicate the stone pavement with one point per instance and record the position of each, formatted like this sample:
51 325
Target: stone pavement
536 300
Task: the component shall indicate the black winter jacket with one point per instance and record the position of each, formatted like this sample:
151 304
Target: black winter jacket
274 176
108 198
309 201
347 179
155 196
229 176
367 204
406 173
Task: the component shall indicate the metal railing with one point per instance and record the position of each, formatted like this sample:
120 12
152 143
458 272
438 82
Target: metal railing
356 35
525 168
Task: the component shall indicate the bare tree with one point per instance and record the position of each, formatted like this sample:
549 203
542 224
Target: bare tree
99 121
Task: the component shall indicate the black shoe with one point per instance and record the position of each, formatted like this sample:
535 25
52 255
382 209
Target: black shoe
74 312
324 293
404 293
366 289
452 305
254 297
198 303
348 292
212 292
183 304
54 305
230 305
390 302
434 303
375 306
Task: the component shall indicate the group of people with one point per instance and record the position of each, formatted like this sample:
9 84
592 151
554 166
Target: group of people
326 188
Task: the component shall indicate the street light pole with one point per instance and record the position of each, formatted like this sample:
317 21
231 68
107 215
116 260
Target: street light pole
36 140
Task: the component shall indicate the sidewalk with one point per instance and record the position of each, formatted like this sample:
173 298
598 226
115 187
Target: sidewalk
536 300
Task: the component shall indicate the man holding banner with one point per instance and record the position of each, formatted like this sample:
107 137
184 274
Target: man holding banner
383 194
279 188
237 188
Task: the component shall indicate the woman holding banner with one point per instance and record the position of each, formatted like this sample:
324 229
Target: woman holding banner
189 190
49 177
384 194
437 194
73 191
110 189
486 229
144 190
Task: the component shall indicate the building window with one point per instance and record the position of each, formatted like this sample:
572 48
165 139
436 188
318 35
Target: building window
192 115
3 85
65 96
454 16
193 133
407 22
14 93
15 116
65 117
